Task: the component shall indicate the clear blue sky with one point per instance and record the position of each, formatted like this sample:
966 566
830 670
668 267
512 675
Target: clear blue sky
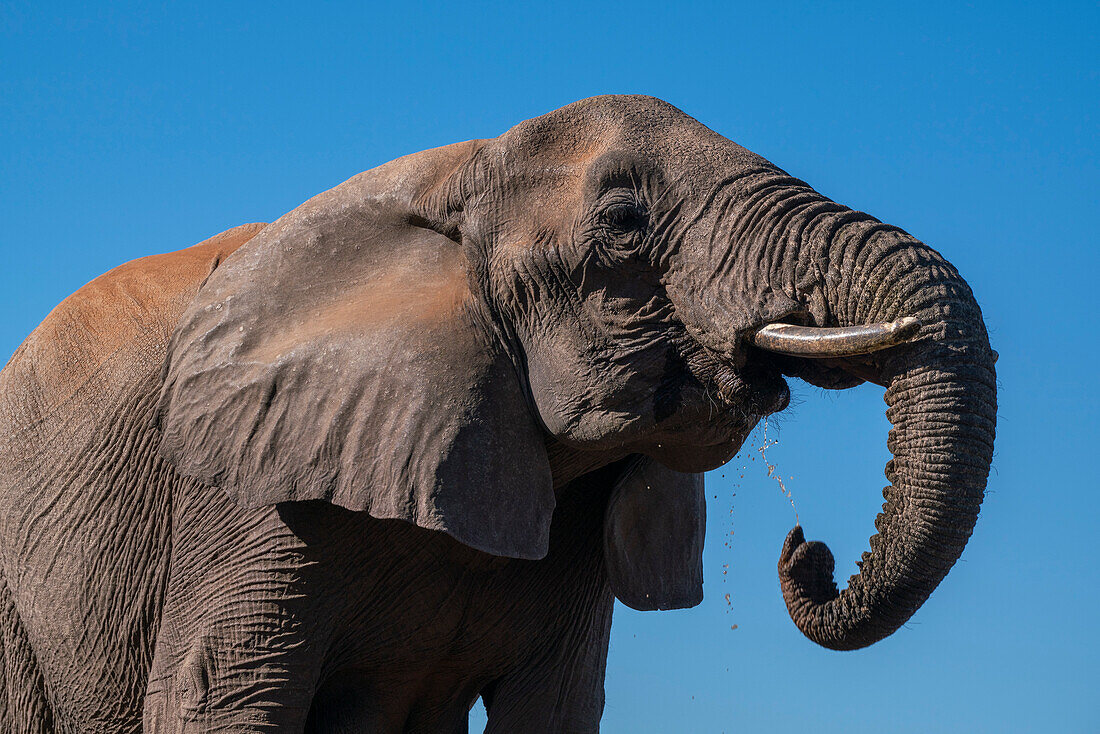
126 131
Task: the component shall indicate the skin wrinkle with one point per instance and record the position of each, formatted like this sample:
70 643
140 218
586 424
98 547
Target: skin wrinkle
416 394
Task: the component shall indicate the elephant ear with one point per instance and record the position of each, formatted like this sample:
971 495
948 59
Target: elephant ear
344 355
653 536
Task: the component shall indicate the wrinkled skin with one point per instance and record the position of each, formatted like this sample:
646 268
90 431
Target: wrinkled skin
402 447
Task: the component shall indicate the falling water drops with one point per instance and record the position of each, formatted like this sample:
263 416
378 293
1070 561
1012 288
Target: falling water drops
765 445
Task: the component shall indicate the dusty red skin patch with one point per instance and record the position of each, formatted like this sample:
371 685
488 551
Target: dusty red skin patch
123 313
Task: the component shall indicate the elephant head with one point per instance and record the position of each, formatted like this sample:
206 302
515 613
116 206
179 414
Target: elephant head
447 338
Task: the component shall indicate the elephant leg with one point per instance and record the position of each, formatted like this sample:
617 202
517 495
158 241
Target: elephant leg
24 708
239 648
352 703
544 700
347 704
214 684
230 674
560 688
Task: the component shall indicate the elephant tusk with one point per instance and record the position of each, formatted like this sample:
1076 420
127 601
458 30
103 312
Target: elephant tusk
844 341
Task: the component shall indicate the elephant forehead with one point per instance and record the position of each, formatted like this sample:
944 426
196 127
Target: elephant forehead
636 123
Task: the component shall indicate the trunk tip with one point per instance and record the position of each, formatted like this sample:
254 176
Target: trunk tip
806 571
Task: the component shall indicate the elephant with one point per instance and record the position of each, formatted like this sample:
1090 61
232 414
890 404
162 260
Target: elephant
403 447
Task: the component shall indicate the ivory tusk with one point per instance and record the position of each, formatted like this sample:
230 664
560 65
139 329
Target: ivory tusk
844 341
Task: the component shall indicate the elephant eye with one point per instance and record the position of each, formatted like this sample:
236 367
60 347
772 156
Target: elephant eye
626 216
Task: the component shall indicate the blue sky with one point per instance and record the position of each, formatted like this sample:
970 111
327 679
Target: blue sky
129 130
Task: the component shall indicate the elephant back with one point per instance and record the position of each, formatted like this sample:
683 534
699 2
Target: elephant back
99 341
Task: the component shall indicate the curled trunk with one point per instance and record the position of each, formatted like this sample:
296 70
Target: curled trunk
941 394
775 250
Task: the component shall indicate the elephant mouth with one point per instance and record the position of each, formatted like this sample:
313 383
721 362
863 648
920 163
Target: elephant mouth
745 393
756 388
734 395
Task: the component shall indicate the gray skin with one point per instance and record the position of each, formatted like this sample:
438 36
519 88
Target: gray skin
403 447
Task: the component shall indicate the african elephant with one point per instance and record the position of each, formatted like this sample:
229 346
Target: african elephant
402 447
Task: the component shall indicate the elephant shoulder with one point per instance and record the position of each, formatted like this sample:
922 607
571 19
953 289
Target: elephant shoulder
110 333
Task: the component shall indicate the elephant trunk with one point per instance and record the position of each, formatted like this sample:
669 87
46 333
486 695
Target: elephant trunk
827 266
941 393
